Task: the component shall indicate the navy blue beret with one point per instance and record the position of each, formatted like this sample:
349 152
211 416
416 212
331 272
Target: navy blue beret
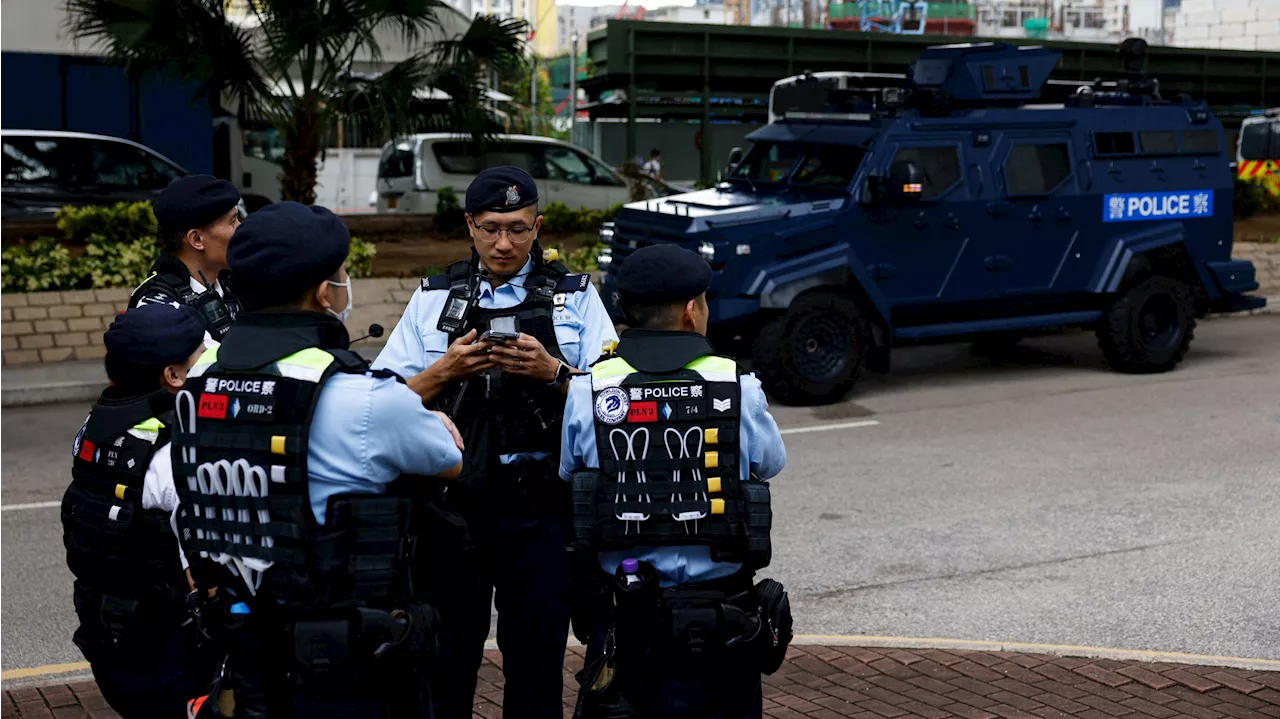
194 201
154 335
663 272
501 189
283 250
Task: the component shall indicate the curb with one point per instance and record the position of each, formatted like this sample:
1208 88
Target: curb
1059 650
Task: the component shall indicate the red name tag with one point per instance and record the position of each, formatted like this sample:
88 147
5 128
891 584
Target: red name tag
86 451
212 406
643 412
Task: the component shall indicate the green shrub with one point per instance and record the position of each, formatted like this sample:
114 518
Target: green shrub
449 212
122 222
558 219
42 264
583 259
116 264
360 258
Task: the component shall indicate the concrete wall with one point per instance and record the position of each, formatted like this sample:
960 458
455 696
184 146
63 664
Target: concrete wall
43 327
1230 24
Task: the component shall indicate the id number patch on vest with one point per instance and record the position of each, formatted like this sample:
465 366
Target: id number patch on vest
643 412
252 408
612 405
212 406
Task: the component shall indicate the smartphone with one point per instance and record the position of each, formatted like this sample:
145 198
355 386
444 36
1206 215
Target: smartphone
499 336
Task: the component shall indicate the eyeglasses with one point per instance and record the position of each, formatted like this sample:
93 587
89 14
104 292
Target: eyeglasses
517 235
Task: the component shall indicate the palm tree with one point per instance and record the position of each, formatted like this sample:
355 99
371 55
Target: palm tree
290 62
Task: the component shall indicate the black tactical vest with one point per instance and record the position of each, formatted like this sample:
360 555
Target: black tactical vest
129 582
170 280
667 422
499 413
240 460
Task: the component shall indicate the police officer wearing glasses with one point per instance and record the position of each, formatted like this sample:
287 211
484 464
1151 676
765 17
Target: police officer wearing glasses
493 342
197 215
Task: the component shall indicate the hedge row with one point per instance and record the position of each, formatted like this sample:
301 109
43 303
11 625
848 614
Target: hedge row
120 244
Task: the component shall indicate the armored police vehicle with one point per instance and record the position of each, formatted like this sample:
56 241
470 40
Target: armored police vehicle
954 202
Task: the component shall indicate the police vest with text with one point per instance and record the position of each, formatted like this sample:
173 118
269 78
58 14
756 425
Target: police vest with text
499 413
240 462
129 582
670 468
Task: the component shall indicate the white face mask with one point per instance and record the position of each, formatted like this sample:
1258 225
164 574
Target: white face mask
343 315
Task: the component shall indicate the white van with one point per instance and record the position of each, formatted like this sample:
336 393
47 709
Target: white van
412 169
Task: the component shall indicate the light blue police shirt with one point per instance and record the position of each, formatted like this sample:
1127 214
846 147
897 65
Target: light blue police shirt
582 327
366 432
760 446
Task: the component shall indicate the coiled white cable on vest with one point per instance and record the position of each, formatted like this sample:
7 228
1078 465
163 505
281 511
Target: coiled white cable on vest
630 455
695 473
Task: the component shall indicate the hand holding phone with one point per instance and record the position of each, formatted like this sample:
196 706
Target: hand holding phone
499 336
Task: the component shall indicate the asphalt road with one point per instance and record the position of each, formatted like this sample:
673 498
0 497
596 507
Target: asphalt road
1035 498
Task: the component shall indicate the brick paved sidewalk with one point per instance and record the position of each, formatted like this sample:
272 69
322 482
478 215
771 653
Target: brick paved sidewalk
864 683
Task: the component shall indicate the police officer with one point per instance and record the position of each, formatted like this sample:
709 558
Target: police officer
493 341
287 443
668 447
130 586
197 215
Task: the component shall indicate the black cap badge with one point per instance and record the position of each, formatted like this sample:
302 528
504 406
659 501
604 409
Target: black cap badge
513 195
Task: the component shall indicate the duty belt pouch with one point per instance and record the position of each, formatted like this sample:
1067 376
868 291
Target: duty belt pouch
603 691
323 651
694 626
775 614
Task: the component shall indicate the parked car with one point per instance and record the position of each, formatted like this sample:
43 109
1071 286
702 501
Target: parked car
414 168
44 170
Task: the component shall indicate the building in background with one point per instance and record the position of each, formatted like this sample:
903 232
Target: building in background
1229 24
580 19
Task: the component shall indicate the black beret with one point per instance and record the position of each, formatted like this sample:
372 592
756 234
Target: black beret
194 201
283 250
663 272
501 189
154 335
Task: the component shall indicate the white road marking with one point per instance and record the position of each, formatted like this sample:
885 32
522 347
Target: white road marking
829 427
31 505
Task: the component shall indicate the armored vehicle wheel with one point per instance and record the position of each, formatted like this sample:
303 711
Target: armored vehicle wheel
814 353
1149 328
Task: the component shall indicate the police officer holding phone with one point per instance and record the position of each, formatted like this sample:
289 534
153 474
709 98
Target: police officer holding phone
493 342
197 215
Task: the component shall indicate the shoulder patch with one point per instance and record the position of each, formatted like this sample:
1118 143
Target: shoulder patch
435 282
573 283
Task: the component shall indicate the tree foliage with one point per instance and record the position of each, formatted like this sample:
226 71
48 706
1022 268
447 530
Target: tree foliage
291 63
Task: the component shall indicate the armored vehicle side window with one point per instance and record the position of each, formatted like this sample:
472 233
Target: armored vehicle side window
1037 169
940 166
1114 143
828 166
1160 142
1199 141
768 162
